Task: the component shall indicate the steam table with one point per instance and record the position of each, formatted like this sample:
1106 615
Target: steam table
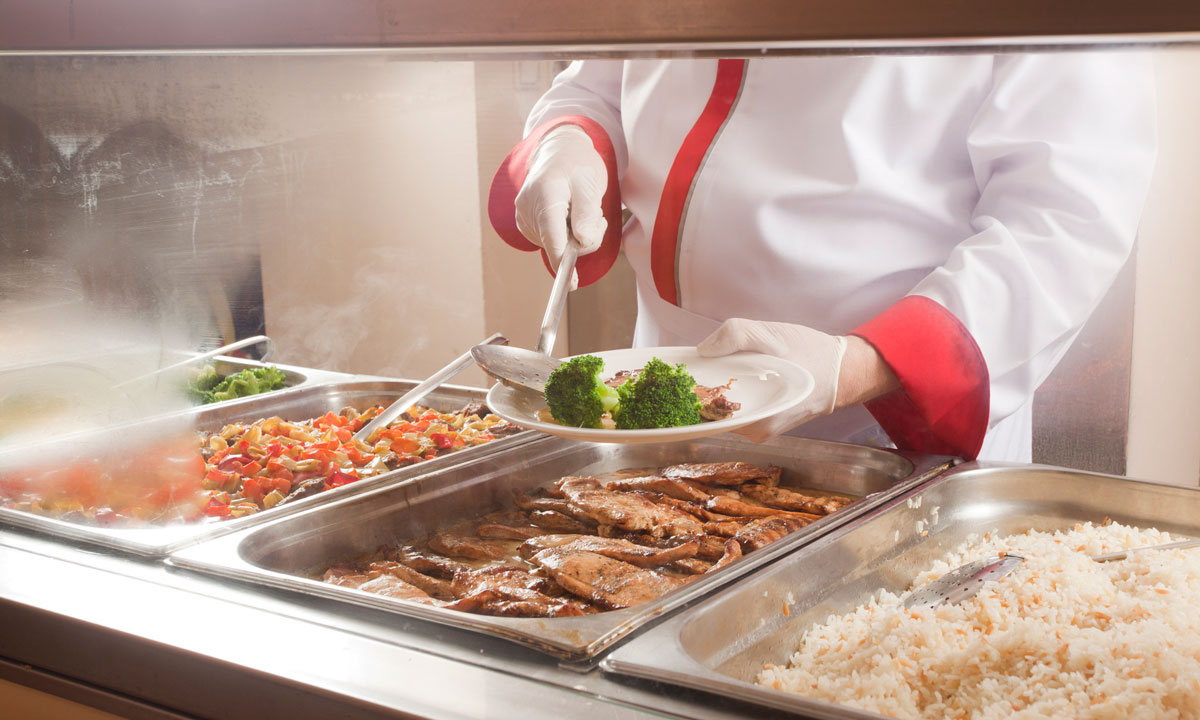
136 638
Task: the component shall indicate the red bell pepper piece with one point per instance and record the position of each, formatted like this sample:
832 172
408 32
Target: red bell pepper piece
218 477
441 440
216 508
405 446
252 490
339 478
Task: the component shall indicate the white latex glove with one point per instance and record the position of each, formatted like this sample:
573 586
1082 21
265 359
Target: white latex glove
813 350
566 175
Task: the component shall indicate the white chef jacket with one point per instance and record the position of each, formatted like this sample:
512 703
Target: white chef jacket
829 192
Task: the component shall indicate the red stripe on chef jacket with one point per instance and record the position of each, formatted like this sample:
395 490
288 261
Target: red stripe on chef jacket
664 242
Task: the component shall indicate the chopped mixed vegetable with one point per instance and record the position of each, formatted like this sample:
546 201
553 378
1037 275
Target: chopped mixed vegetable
244 468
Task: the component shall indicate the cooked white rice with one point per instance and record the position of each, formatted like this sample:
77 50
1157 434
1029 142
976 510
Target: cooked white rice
1062 636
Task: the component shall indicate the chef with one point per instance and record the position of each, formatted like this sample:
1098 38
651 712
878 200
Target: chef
926 235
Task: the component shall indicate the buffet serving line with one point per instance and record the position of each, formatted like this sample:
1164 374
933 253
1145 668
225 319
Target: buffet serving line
306 608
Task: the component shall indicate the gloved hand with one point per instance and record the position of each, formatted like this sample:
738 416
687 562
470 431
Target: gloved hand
566 175
815 351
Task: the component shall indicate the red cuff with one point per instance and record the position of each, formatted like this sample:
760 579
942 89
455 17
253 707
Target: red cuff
942 406
511 175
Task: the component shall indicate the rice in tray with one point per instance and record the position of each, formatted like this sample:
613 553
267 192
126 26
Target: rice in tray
1062 636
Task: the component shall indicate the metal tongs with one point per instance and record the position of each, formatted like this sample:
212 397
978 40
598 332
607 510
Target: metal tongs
412 397
531 368
965 581
245 342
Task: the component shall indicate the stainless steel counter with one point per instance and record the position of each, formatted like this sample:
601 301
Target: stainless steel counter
164 641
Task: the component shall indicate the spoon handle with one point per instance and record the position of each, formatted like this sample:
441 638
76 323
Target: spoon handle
412 397
245 342
558 297
1122 554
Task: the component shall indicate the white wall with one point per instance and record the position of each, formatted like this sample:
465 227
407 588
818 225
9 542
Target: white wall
1164 412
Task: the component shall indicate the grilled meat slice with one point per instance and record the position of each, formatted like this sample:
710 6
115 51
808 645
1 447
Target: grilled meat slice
723 473
695 566
733 506
476 408
312 486
658 484
607 582
433 587
394 587
557 522
725 528
516 602
504 428
434 565
501 578
628 512
697 511
764 531
347 576
496 531
622 474
711 548
792 500
467 548
531 504
733 551
632 553
622 377
713 403
533 546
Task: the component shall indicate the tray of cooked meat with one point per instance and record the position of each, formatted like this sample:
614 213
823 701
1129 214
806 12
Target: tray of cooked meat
563 546
154 486
837 631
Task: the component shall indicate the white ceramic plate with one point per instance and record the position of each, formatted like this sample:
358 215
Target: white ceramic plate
764 384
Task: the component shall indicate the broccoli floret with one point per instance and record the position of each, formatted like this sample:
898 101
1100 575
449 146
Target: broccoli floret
660 396
576 395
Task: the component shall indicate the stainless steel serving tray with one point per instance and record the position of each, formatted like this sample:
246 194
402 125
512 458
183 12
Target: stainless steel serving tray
722 644
293 404
286 552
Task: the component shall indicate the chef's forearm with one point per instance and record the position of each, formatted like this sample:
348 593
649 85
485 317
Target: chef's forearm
864 375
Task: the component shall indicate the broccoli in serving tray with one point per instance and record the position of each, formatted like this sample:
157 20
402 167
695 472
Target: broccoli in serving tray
659 395
210 387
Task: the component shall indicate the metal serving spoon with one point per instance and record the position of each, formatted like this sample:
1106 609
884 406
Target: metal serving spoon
531 368
965 581
412 397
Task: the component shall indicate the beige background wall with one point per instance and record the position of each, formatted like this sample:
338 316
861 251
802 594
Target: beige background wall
1164 412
